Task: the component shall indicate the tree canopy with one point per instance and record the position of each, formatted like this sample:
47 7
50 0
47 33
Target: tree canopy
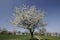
28 17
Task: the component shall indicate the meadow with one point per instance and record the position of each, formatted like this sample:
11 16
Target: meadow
26 37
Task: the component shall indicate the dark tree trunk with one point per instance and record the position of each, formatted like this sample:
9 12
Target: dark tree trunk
32 35
31 32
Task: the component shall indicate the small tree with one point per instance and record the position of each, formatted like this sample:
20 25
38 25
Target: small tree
42 31
0 29
28 17
4 31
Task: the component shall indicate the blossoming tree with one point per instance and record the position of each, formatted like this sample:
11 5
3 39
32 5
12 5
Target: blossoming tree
29 18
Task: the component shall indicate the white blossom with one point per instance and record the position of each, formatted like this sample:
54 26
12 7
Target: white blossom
28 16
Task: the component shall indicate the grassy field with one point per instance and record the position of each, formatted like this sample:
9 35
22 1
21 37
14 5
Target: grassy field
14 37
23 37
50 37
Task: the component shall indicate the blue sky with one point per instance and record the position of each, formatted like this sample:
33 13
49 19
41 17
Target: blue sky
52 7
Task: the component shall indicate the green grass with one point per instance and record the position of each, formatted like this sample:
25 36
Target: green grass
14 37
23 37
50 37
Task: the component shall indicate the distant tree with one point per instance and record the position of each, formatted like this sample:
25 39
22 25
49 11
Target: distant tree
10 33
0 29
42 31
14 32
29 18
4 31
56 33
19 32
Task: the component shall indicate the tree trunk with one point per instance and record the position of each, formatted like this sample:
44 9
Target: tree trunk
32 35
31 32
